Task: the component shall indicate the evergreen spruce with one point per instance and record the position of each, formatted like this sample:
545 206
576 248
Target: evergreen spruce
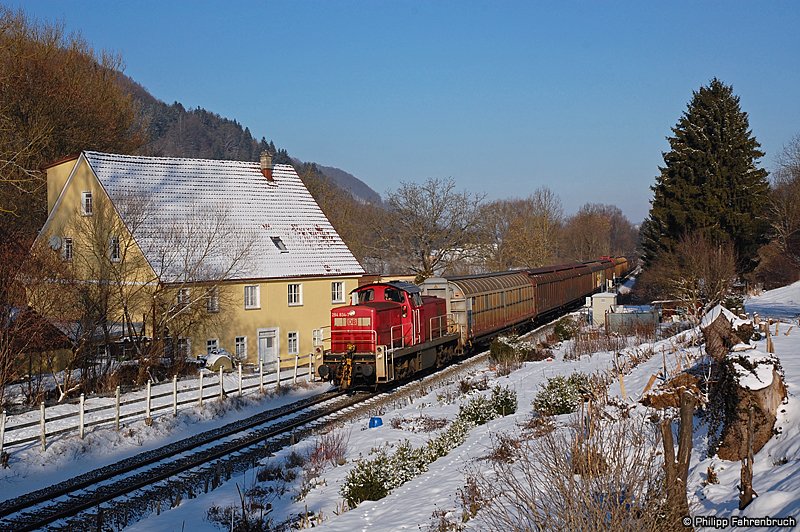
710 181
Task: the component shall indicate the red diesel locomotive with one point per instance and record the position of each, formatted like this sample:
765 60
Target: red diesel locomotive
395 329
391 333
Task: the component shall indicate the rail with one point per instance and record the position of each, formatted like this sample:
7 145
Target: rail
445 324
153 400
401 339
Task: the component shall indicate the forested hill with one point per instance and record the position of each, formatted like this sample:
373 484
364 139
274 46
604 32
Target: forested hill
174 131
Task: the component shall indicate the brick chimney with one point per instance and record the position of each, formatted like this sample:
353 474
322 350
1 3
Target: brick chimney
266 165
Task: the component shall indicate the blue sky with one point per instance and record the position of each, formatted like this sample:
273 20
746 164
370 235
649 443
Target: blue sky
502 96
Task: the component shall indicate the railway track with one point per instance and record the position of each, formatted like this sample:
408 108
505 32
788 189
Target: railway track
167 474
159 479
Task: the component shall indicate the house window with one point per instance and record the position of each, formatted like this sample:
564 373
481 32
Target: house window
184 347
212 299
241 347
114 249
184 296
316 337
87 209
66 251
295 294
279 244
293 342
337 292
252 297
212 345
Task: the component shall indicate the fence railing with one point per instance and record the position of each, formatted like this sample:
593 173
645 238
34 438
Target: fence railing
159 399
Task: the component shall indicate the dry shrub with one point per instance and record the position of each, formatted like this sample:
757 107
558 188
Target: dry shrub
538 425
538 490
504 448
594 341
329 449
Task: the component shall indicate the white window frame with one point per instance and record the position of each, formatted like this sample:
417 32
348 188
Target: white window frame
212 343
339 292
240 341
212 300
295 299
87 204
317 337
255 297
115 249
184 297
293 350
67 251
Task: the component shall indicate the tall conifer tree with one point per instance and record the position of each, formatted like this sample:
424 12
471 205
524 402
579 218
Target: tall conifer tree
710 181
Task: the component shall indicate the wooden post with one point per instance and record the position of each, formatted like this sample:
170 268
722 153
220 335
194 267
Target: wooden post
261 378
2 430
278 373
687 404
240 379
42 437
221 388
81 418
147 418
200 399
650 383
296 361
746 478
116 415
174 396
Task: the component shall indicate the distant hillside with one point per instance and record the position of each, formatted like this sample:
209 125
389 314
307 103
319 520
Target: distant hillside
351 183
174 131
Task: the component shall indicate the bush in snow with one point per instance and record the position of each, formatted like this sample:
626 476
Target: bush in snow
561 395
478 410
367 481
504 401
566 328
481 408
509 352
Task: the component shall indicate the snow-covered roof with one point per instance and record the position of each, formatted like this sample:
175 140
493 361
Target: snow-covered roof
290 235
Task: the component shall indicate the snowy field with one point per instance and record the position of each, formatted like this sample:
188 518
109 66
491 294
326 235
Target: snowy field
413 505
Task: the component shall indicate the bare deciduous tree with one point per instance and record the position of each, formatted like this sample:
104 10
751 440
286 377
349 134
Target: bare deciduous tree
697 272
430 226
785 202
598 230
522 233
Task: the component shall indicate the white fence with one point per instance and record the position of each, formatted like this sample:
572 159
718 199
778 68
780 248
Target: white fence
159 399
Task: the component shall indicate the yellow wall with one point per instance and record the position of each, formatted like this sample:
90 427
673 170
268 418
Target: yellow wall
274 313
56 178
68 221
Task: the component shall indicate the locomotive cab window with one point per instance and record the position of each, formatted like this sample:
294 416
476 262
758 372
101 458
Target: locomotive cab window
366 295
416 299
392 294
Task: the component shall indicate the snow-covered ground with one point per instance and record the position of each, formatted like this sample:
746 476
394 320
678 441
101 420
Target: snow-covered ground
413 505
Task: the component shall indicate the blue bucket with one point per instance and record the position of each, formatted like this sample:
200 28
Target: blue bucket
375 422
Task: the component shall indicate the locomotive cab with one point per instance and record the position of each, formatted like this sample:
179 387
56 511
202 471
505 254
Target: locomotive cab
390 331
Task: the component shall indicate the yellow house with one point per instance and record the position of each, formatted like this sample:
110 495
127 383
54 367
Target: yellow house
218 254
